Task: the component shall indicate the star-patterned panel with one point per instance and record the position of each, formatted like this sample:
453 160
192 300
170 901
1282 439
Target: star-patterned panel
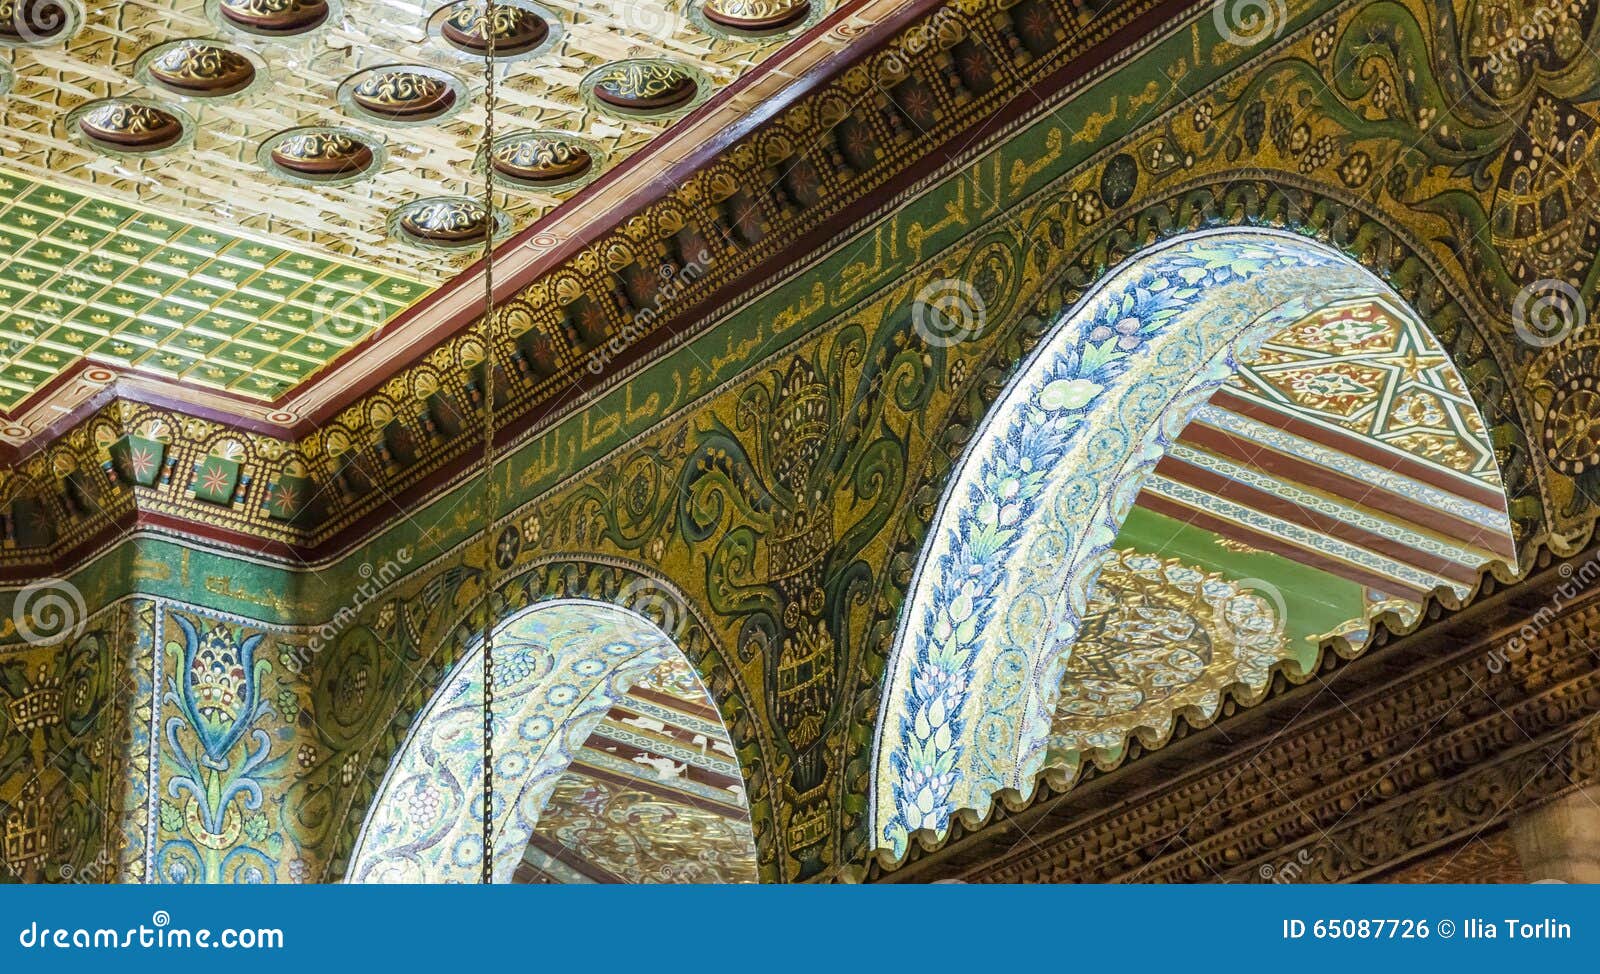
1368 369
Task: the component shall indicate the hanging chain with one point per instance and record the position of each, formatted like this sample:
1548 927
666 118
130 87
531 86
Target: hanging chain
491 499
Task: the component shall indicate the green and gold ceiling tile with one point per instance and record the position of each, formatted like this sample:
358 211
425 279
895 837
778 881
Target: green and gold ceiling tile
46 308
240 310
314 347
152 280
104 213
267 335
76 234
20 376
197 343
177 261
72 286
122 301
19 275
148 332
200 240
14 328
251 253
214 374
302 265
51 198
281 369
43 358
278 287
200 292
166 361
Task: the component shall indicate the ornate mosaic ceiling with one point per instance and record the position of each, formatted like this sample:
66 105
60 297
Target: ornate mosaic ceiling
222 171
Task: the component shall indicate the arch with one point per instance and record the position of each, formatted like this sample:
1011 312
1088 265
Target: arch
1029 515
561 666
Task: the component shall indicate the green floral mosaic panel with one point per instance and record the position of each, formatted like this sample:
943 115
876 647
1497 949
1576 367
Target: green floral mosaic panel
81 276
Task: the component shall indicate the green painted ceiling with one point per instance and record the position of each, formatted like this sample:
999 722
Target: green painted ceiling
87 277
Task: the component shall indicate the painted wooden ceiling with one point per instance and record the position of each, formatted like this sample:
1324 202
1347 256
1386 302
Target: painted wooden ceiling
654 796
231 192
1343 471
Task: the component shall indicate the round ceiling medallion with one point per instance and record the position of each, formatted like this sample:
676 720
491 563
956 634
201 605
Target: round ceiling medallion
321 155
544 160
520 29
444 222
756 16
403 94
274 18
645 86
29 23
130 126
198 68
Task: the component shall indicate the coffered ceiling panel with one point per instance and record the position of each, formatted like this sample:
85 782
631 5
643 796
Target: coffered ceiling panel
315 139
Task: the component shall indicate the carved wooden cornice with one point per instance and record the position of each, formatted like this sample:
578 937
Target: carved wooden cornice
1416 746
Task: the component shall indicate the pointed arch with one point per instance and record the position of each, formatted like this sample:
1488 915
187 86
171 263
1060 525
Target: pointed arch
1032 509
561 666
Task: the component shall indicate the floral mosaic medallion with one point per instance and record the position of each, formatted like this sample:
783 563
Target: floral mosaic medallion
1023 529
